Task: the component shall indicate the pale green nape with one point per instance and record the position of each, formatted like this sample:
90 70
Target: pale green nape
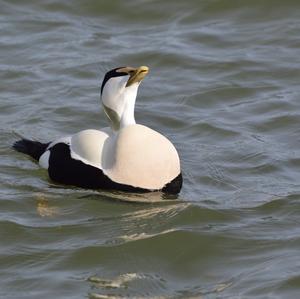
113 117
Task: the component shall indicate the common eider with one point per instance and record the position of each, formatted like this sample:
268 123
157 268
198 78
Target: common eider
125 156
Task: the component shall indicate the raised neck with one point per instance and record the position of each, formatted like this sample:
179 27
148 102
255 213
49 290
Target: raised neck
127 117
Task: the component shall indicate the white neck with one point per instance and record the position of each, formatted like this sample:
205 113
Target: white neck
127 117
119 102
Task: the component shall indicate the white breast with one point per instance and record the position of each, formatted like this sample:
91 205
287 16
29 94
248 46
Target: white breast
143 158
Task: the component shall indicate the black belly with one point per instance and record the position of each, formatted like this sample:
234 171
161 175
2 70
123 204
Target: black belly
65 170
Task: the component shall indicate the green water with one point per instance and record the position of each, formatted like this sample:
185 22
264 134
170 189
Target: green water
223 86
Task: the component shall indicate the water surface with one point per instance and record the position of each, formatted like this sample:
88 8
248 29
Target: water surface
223 86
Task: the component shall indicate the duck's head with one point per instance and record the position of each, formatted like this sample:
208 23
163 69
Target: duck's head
118 94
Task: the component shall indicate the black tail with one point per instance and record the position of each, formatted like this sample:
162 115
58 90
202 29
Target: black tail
32 148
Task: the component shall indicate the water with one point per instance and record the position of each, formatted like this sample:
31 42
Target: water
223 86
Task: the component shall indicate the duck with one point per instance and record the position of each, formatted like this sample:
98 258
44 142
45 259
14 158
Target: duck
125 156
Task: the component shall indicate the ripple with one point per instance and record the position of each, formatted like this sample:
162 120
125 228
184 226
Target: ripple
223 87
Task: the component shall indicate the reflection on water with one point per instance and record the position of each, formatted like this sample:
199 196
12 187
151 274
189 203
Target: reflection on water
44 209
149 197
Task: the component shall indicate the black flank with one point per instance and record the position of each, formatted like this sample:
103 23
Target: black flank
174 186
63 169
